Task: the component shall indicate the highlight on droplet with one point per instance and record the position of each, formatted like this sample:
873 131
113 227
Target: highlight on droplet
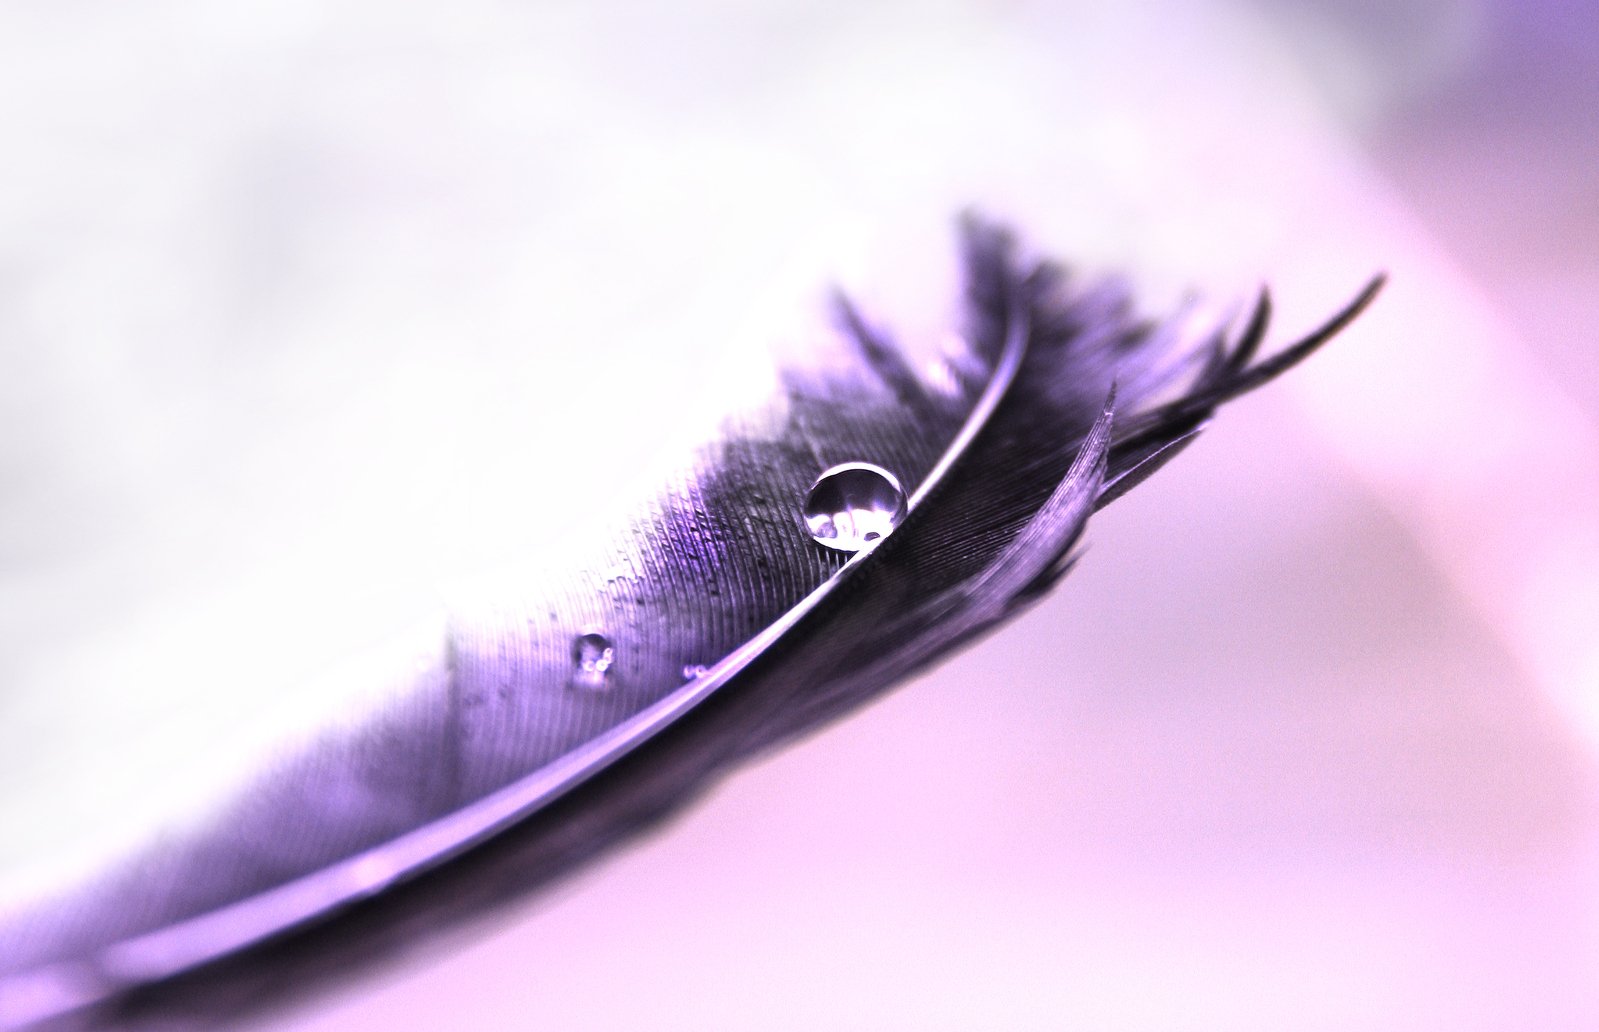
592 656
853 506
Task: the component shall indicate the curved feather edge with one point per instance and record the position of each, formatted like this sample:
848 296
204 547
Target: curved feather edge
926 589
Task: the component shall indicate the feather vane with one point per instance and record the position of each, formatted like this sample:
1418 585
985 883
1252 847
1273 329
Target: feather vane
491 773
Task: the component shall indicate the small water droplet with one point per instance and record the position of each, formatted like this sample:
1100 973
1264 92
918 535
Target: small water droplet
854 506
592 656
694 670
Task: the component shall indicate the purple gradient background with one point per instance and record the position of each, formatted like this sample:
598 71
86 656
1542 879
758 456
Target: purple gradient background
1307 742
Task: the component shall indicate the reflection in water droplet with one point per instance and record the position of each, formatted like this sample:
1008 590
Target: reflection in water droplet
854 506
592 655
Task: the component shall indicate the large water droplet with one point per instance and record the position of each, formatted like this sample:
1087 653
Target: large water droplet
592 656
854 506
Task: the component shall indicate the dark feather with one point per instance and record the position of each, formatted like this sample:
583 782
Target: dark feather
490 772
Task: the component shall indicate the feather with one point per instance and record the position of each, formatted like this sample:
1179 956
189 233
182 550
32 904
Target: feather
552 725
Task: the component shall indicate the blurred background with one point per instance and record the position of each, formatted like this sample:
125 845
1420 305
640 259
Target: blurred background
310 310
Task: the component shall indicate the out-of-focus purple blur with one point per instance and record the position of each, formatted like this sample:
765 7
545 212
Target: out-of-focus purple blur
310 308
